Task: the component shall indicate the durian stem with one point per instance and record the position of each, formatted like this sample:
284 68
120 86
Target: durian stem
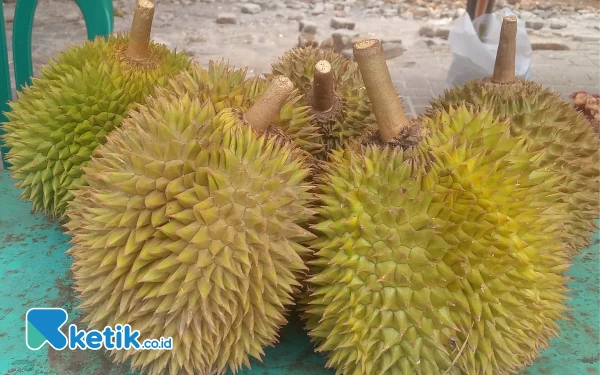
387 107
268 105
504 69
323 94
139 37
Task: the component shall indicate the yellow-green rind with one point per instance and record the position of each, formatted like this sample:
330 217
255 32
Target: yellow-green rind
441 259
82 95
190 227
227 86
224 85
355 112
549 123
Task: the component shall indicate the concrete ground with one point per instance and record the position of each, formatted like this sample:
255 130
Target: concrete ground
256 40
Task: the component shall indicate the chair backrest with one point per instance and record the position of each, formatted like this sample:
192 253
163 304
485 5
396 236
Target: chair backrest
98 16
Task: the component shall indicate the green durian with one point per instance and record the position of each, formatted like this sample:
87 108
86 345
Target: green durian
82 95
227 86
571 147
334 90
438 249
191 227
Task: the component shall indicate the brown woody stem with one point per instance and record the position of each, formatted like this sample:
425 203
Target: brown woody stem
323 94
504 69
139 37
387 107
268 105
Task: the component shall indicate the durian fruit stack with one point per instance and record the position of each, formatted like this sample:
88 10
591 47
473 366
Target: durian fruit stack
443 241
56 123
191 225
189 221
193 221
440 243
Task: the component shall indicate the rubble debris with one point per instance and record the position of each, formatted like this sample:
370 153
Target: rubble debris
226 19
342 23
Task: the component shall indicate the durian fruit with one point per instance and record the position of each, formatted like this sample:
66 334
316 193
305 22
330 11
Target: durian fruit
334 90
190 227
227 86
571 147
437 249
56 123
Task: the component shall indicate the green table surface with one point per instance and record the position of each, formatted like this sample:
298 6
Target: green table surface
35 273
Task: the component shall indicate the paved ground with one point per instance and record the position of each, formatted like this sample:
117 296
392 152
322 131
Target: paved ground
258 39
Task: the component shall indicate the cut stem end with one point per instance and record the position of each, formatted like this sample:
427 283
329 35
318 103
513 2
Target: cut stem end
268 105
139 37
387 107
504 69
323 94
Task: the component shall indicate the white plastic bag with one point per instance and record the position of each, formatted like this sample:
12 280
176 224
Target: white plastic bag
474 58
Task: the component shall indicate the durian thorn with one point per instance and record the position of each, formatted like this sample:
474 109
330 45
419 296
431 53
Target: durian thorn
268 105
139 36
504 69
464 345
387 107
323 94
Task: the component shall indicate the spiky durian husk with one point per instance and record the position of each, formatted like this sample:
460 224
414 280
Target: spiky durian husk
440 259
354 112
190 228
56 123
570 144
224 85
227 87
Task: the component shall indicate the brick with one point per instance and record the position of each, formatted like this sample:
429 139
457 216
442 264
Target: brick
226 19
307 27
307 40
344 39
342 23
251 8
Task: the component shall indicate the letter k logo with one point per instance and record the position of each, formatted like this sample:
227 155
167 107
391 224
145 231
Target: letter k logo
43 325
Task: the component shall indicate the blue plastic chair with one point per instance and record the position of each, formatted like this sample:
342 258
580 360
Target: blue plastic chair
98 16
